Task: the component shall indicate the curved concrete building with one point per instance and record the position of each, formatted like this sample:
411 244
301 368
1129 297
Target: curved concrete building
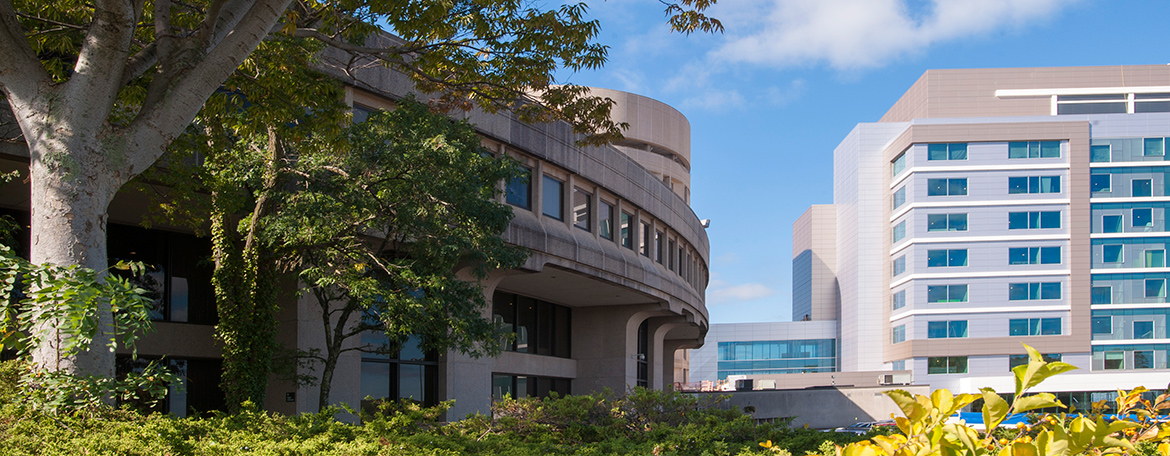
659 138
613 287
615 280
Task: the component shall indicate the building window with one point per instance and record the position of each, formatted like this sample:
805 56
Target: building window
626 240
538 327
552 191
899 197
1033 291
946 365
1102 295
1142 187
520 386
1099 154
196 391
582 209
658 241
519 190
178 279
899 300
1034 149
1111 253
946 187
1022 360
644 240
1101 183
1155 258
899 164
946 329
1143 330
1143 359
953 151
899 334
605 220
670 254
1092 104
1155 288
362 113
1114 360
1033 255
776 357
1153 147
946 222
900 231
899 265
1102 324
946 258
1033 220
1143 218
1111 224
946 293
402 371
1151 102
1034 184
1034 327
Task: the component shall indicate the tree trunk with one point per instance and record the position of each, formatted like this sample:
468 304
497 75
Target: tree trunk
332 353
70 194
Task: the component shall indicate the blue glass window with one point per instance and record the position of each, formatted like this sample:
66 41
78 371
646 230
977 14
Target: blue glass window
946 187
953 151
1100 183
946 258
519 191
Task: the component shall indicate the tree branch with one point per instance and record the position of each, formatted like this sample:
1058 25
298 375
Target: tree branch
93 88
21 75
159 123
140 62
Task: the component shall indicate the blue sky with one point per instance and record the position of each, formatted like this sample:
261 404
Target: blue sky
769 99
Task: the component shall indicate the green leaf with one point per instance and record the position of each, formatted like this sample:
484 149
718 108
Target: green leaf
909 405
1035 401
994 409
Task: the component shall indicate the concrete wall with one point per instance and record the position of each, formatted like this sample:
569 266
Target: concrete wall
814 264
821 408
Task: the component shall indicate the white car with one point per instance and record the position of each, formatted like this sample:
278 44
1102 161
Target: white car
861 427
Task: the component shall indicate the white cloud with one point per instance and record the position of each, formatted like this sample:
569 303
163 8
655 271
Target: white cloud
780 96
713 100
631 81
867 33
742 292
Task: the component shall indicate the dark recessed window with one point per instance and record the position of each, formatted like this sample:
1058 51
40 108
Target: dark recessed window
605 220
552 194
519 192
582 209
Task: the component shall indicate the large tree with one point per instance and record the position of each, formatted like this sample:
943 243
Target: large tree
99 89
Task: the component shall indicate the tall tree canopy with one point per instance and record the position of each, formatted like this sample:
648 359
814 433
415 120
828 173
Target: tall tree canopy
100 88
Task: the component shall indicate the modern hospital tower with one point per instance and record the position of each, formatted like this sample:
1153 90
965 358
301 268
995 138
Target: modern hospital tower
990 208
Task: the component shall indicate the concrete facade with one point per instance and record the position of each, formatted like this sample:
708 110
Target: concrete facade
994 207
620 310
706 361
814 264
821 408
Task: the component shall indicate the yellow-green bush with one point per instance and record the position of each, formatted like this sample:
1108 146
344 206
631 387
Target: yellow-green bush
924 429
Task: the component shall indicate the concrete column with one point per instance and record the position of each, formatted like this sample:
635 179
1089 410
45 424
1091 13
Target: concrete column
465 379
662 361
605 344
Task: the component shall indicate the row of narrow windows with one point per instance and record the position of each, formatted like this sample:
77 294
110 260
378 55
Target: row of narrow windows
951 258
951 329
628 230
952 293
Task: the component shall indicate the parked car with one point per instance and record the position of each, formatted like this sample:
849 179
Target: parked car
861 427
